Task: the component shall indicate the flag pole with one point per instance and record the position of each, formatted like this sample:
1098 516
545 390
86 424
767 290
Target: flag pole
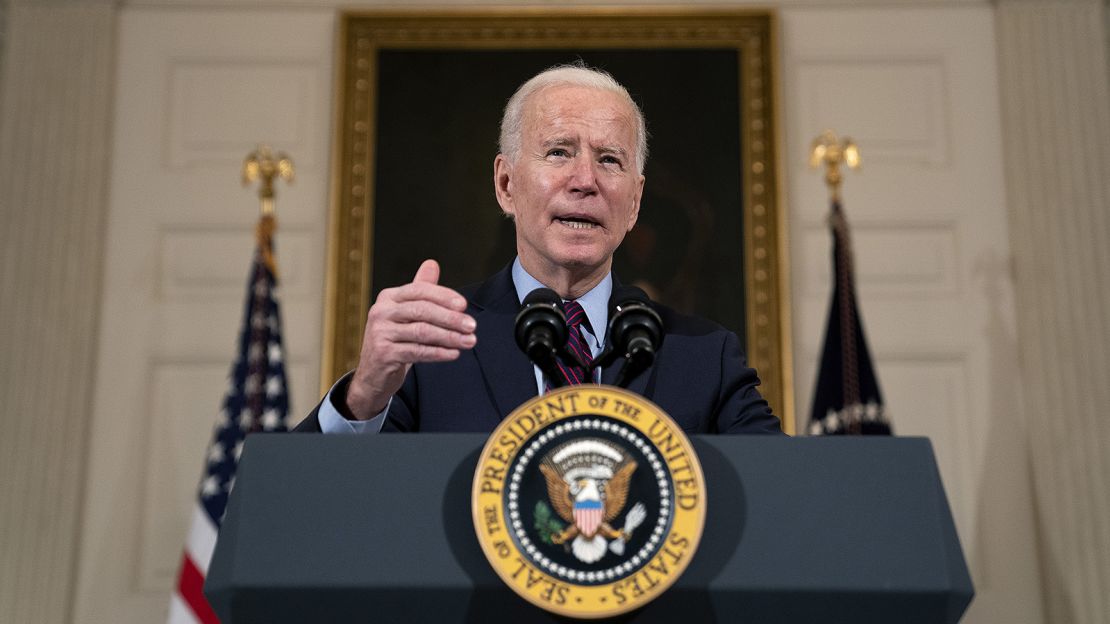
847 399
834 152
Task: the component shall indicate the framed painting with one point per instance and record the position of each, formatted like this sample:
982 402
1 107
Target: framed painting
419 101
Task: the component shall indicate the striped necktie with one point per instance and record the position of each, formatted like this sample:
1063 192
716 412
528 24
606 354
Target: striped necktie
572 372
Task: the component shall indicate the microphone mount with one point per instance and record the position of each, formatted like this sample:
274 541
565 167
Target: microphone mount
541 333
635 334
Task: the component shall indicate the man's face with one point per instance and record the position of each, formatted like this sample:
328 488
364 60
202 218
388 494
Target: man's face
574 188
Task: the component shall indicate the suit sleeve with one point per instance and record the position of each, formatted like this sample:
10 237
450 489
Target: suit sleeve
311 423
329 414
741 409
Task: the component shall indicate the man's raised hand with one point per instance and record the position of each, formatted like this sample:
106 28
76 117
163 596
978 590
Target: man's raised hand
418 322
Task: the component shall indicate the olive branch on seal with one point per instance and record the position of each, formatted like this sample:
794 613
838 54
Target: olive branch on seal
546 524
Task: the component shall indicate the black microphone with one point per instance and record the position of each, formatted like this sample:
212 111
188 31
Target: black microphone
635 333
541 331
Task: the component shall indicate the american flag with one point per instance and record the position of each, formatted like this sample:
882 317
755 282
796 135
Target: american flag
257 400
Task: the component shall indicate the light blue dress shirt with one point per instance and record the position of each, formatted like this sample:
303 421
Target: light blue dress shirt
595 304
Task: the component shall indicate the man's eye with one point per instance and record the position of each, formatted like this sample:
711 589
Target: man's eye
558 151
611 160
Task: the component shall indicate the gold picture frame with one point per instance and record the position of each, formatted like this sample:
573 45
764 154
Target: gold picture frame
744 39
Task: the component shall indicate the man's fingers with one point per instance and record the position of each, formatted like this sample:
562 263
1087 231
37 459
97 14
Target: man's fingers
425 312
411 352
430 335
428 272
423 291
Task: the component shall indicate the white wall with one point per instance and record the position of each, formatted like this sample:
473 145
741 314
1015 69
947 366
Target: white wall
917 89
195 91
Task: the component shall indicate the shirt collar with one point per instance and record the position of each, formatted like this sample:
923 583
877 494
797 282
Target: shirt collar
595 303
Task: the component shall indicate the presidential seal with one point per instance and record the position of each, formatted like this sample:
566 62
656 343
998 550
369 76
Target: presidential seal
588 501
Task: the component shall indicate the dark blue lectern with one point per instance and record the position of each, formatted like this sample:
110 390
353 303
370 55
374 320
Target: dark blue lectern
378 528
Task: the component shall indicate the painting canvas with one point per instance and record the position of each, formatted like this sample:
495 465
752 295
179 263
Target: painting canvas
421 97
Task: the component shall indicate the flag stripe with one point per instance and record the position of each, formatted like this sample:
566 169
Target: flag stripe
190 586
588 519
180 613
202 539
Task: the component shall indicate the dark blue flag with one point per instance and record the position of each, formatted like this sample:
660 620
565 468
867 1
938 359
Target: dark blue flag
847 400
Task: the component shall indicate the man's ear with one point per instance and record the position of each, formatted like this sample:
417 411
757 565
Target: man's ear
636 204
503 183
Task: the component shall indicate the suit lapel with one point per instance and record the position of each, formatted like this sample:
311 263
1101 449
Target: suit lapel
506 371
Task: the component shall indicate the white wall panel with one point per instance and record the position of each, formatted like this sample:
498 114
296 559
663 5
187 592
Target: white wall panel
194 262
217 106
894 105
894 259
182 415
928 395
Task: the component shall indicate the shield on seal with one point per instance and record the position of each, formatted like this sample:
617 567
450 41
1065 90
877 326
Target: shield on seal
587 515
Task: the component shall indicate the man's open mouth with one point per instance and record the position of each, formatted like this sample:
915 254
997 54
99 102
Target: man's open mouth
577 222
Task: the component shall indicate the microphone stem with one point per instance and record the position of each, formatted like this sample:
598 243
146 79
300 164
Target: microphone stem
553 379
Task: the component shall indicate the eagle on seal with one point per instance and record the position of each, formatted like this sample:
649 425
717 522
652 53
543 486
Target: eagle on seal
588 505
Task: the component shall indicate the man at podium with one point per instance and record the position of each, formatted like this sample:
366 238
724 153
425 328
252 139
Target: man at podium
570 175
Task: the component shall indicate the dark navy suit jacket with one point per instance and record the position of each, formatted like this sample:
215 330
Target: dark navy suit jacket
699 376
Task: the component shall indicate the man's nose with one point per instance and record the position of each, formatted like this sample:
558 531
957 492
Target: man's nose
583 176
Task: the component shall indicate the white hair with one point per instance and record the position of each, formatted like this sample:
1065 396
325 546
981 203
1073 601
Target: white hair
578 75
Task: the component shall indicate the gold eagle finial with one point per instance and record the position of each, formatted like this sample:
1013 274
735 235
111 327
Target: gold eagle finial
832 151
263 165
